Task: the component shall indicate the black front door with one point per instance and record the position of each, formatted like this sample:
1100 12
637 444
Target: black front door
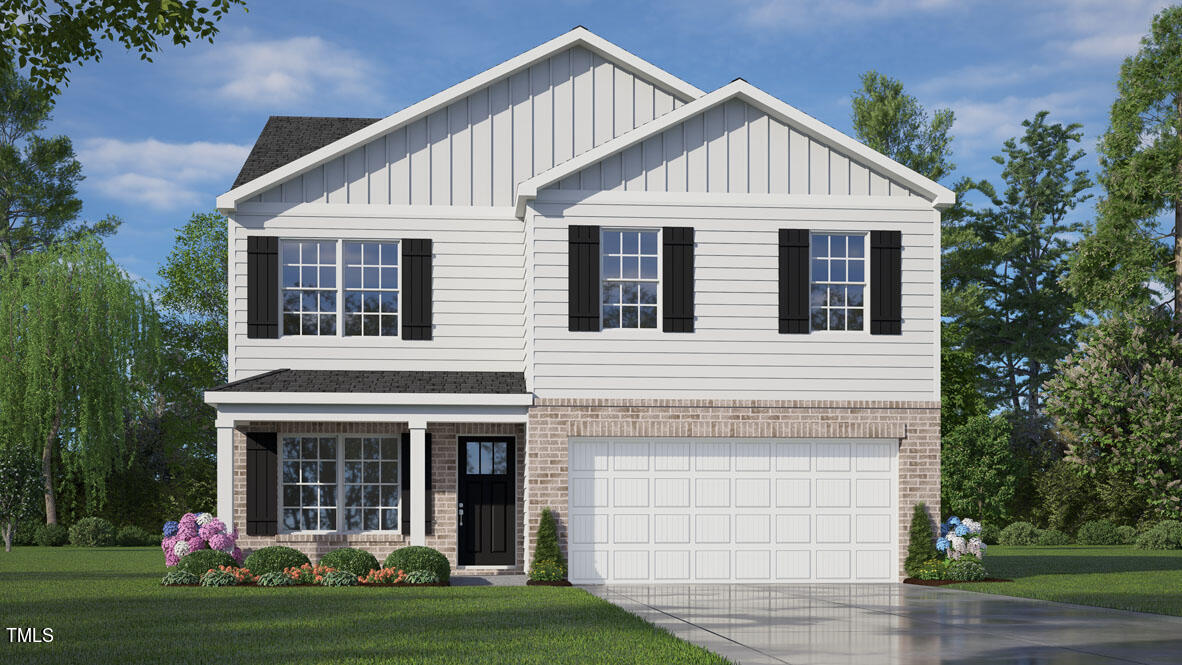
487 500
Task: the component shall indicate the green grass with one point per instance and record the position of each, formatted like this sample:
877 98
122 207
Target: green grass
106 605
1119 577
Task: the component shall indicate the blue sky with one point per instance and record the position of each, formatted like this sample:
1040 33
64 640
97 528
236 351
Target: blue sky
160 140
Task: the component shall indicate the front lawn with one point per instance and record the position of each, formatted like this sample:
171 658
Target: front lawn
106 606
1119 577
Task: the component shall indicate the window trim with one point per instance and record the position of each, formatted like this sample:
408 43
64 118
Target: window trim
813 233
659 280
340 336
340 484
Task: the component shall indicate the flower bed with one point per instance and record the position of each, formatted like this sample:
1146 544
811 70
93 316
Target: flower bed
912 580
301 576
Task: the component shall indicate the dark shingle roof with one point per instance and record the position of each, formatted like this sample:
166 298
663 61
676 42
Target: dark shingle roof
374 381
286 138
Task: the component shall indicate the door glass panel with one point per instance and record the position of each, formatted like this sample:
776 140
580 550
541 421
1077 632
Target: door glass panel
486 457
500 458
473 458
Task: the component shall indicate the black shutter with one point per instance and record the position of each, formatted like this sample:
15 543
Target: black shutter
406 483
678 287
794 281
583 278
262 484
886 283
262 287
416 289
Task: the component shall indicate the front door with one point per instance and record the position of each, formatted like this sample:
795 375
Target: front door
487 501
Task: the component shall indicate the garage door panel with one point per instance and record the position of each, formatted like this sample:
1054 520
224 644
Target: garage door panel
833 529
671 456
794 564
588 529
671 492
794 456
753 528
712 528
793 493
712 492
875 456
588 492
833 456
793 529
873 492
753 565
712 456
631 529
590 456
873 564
833 493
833 564
873 529
671 565
671 529
753 492
753 456
630 456
712 564
589 566
631 493
631 565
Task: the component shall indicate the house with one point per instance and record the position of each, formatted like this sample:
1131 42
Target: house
700 327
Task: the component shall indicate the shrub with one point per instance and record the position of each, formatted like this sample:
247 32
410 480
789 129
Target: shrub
25 534
134 536
1053 537
966 569
421 577
417 557
1019 533
990 534
960 538
275 579
1127 535
52 535
546 548
922 546
385 576
340 578
308 574
218 577
274 559
1165 535
204 560
92 532
358 562
932 569
1097 532
197 531
179 577
547 571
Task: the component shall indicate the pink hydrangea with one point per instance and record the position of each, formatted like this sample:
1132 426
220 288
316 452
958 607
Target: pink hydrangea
187 528
211 529
220 541
237 554
168 543
196 543
171 559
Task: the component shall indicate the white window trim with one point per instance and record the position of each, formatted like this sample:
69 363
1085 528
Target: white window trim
843 334
637 332
340 484
340 336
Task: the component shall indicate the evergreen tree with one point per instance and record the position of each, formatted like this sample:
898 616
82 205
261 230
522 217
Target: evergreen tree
922 544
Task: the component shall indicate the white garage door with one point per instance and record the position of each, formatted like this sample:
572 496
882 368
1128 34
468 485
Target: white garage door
732 510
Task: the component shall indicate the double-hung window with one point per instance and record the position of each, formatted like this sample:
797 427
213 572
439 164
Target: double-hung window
320 285
838 281
629 278
348 483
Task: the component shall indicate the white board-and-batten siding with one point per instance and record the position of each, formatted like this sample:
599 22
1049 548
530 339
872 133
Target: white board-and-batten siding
475 151
478 293
736 350
734 148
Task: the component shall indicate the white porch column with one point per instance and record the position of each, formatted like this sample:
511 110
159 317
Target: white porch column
418 486
225 475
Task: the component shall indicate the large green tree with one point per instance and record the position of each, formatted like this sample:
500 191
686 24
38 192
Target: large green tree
77 347
1133 252
980 475
51 37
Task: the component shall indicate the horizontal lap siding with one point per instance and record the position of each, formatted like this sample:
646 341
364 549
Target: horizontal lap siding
478 268
736 350
476 150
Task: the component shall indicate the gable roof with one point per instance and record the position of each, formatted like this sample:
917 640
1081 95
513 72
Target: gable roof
937 194
579 36
286 138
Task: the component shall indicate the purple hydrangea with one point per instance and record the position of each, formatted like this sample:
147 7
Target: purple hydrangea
237 554
211 529
197 543
171 559
221 541
168 543
170 528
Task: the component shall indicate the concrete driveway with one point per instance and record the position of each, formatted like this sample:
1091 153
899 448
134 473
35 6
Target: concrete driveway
868 624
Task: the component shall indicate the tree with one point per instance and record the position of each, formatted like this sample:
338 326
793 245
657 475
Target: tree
1124 260
194 297
39 175
77 342
1012 305
960 380
1119 396
50 38
978 473
895 124
20 482
921 547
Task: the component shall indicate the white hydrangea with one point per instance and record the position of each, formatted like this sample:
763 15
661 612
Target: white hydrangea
181 548
204 518
972 525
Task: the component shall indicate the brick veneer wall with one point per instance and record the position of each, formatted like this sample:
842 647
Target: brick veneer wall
444 477
552 421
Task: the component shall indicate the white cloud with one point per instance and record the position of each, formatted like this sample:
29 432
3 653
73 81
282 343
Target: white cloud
161 175
775 14
987 124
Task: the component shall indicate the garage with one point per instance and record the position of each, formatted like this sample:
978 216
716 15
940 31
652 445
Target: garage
701 510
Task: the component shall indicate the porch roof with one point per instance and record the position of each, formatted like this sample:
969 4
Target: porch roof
378 381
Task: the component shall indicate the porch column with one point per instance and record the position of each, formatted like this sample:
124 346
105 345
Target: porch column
418 486
225 476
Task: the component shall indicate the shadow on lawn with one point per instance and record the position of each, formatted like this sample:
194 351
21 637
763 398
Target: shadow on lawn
1019 565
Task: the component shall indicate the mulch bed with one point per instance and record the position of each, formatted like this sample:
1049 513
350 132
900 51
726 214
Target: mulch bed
912 580
296 586
548 583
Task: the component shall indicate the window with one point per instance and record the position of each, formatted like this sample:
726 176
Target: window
313 287
486 458
838 283
363 496
630 281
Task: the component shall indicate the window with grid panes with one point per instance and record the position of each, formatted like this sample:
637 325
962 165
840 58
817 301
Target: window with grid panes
309 470
371 483
838 281
629 278
371 288
309 274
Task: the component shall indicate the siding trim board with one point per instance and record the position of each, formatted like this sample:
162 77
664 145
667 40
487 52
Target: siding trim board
262 287
794 281
583 278
677 288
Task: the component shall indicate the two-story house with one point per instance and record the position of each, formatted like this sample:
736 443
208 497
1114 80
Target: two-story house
703 328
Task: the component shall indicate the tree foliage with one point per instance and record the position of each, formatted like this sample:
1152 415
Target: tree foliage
20 484
50 38
1119 396
894 123
979 475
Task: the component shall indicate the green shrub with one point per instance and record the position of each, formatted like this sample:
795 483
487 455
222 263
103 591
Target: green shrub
179 577
1127 535
1165 535
421 577
547 554
275 579
922 545
274 559
932 569
217 577
417 557
1019 533
52 535
990 534
547 571
134 536
340 578
358 562
201 561
1053 537
1097 532
966 569
92 532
